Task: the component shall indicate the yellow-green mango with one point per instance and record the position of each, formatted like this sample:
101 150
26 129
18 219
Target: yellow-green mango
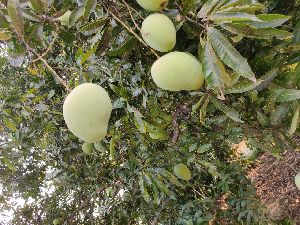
159 32
177 71
86 111
153 5
297 181
87 148
182 171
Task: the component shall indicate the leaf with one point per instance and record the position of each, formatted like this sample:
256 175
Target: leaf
105 40
127 46
9 164
296 38
269 20
88 54
93 26
9 124
279 113
229 17
38 5
229 55
286 95
231 113
207 8
249 31
15 13
75 15
188 5
144 190
242 86
267 79
262 119
30 16
89 7
5 35
245 8
232 3
295 121
213 68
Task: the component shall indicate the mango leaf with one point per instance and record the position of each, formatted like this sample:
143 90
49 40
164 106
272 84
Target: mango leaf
123 49
296 38
262 119
75 15
89 7
229 17
9 164
5 35
242 86
213 68
279 113
295 121
188 5
286 95
144 189
224 4
269 20
88 54
230 113
170 176
9 124
244 8
15 13
105 40
207 8
229 55
38 5
249 31
158 181
93 26
267 79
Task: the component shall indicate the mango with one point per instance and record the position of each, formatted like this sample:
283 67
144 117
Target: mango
182 171
87 148
153 5
297 181
86 111
159 32
177 71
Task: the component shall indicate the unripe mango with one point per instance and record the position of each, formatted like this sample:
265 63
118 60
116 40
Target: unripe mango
159 32
87 148
297 181
177 71
86 111
153 5
182 171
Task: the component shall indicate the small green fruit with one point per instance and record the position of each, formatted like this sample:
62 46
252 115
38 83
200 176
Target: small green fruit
182 171
153 5
86 111
297 181
87 148
56 222
159 32
177 71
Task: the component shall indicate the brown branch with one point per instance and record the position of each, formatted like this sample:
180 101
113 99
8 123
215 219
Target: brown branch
130 13
155 220
46 52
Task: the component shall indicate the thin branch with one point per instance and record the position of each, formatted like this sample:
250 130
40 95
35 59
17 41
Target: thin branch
46 52
129 30
155 220
130 13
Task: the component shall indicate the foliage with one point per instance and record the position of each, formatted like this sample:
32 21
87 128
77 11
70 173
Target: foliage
250 55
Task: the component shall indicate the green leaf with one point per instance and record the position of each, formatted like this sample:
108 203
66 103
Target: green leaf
207 8
229 55
279 113
262 119
93 26
213 68
230 113
157 180
9 164
242 86
15 13
144 190
89 7
30 16
39 5
296 38
295 121
124 49
231 3
249 31
229 17
5 35
9 124
245 8
105 40
267 79
75 15
269 20
286 95
88 54
188 5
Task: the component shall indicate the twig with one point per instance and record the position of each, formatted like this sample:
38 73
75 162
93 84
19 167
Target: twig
46 52
129 9
129 30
